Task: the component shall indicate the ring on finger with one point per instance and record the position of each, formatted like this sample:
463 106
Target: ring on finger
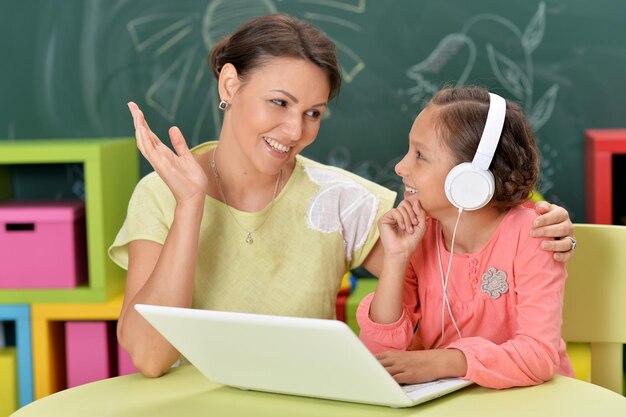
573 242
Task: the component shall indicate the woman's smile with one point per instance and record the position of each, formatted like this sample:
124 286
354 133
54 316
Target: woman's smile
275 145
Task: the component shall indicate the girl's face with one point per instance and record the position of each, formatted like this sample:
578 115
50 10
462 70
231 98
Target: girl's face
425 166
276 112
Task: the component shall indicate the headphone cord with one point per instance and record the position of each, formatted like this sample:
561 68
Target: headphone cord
444 282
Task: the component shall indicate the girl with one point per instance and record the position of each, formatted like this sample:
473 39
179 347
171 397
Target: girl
465 291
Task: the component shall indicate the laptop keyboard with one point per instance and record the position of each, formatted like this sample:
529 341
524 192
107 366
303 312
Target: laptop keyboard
417 389
433 389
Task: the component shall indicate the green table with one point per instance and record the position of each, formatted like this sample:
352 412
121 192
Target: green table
185 392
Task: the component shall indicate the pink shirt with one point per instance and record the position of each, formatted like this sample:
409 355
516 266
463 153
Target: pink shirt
507 301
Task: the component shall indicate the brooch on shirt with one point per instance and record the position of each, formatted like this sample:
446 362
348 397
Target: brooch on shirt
494 283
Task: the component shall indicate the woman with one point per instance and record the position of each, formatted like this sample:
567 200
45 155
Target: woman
275 231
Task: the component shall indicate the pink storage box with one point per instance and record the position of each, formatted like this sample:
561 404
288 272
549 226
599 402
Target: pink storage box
42 244
89 351
124 362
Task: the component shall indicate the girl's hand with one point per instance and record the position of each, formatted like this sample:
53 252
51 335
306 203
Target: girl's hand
402 228
554 222
181 172
416 366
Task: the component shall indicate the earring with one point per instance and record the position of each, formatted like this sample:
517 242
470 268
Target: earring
223 104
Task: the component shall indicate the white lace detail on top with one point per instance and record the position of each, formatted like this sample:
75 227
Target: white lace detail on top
341 205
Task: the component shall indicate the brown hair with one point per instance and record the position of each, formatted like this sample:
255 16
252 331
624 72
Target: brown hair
461 119
276 35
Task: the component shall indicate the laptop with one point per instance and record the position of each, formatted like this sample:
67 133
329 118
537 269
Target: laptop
287 355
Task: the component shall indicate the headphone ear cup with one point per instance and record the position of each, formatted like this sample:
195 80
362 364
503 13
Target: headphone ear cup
468 187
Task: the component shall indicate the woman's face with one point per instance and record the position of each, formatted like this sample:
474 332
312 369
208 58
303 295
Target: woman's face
425 166
276 112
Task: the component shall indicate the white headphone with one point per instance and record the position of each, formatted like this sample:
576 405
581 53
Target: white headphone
470 185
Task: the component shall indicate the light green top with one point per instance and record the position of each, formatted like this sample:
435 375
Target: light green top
322 224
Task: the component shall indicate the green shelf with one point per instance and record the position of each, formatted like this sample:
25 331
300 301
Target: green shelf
111 171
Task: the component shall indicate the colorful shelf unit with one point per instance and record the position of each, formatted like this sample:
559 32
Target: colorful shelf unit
111 171
8 381
49 348
90 351
362 287
601 146
347 284
20 315
124 362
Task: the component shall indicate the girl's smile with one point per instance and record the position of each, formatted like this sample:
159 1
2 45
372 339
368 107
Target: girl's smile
425 166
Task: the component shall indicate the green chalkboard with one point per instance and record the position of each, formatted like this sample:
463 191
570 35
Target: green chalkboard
69 66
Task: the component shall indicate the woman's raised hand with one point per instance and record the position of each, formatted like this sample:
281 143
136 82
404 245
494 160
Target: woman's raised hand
180 171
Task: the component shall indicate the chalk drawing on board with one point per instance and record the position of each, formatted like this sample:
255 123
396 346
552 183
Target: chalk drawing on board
209 108
157 34
455 50
549 165
223 16
357 6
187 38
171 84
179 44
175 29
460 50
351 66
76 176
510 60
333 19
340 156
350 62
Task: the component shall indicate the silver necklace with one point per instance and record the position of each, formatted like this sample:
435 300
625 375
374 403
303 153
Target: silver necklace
249 238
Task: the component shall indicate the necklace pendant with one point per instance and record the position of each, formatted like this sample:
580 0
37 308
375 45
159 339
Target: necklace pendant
249 238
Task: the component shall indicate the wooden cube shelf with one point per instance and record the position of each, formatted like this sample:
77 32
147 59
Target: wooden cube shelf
8 381
601 146
111 171
90 351
48 322
363 287
20 315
